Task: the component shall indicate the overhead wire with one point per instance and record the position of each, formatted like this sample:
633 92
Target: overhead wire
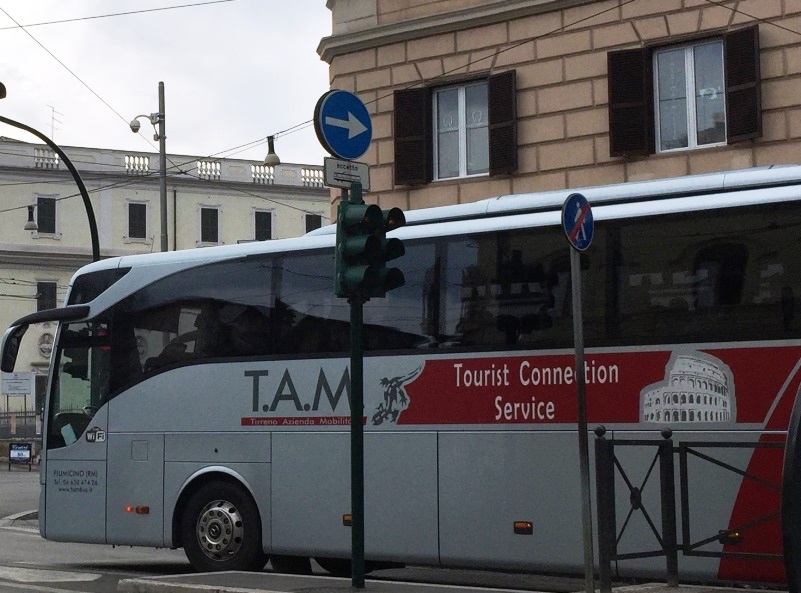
307 123
103 16
416 83
173 165
527 40
152 175
63 65
735 10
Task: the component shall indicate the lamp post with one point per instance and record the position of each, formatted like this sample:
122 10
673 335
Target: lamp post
87 203
157 119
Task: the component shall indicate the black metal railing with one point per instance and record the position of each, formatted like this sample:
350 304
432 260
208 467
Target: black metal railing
734 534
18 424
608 466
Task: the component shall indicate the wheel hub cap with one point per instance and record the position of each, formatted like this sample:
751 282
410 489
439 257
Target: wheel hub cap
219 530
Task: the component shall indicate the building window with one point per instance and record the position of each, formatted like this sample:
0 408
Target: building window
690 96
456 131
209 225
45 295
46 216
461 140
137 220
313 221
264 225
674 97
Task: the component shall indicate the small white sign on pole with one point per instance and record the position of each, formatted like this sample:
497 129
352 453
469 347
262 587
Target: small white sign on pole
342 173
17 383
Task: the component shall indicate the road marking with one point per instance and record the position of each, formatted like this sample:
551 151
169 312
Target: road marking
35 575
23 516
4 586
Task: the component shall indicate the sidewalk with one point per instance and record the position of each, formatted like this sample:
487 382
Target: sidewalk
263 582
269 582
28 521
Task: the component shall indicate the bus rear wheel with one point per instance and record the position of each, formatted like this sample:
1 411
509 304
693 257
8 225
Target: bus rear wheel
221 529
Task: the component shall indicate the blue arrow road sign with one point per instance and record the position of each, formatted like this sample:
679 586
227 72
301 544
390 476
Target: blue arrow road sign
577 221
342 124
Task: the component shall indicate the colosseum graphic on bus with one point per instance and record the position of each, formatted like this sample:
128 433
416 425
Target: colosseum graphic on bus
697 388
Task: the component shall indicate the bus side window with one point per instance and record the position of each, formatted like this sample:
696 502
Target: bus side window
722 272
245 331
168 333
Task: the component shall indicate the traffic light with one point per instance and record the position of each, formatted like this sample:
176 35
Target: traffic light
362 248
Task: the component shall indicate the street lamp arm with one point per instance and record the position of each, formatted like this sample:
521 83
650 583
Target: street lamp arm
81 187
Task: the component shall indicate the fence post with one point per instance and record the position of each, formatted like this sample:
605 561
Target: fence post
667 480
605 494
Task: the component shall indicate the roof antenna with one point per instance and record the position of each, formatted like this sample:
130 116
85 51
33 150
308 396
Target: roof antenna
53 121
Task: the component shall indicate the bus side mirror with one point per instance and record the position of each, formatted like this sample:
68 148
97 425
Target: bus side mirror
10 349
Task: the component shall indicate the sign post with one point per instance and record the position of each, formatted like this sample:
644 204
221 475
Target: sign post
578 225
344 129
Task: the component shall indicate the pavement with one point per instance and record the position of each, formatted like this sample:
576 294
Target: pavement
29 521
270 582
249 582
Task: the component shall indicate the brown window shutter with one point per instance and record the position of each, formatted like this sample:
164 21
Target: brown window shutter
630 113
743 85
413 142
502 97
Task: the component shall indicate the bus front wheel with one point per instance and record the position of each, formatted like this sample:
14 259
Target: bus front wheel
221 529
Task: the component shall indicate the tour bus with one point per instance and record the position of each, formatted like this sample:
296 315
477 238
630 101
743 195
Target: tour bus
200 398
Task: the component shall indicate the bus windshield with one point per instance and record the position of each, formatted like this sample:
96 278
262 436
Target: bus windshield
81 380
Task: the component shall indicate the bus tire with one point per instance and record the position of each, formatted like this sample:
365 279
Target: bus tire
221 529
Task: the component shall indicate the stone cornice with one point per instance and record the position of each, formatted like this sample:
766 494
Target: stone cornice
25 258
178 180
336 45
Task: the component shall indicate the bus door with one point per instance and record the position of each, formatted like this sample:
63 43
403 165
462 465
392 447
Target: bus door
73 498
135 508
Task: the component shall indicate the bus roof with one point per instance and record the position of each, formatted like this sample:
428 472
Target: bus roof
692 192
629 192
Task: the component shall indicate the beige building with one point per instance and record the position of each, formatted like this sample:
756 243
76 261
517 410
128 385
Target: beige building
477 98
209 202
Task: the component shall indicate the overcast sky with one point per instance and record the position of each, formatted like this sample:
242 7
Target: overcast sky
234 71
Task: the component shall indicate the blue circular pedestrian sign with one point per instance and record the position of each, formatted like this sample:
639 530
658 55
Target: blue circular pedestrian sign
577 221
342 124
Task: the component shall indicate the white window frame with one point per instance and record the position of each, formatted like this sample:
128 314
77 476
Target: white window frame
690 91
147 239
269 211
200 208
462 129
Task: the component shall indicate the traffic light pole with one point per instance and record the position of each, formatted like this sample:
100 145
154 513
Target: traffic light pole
356 431
362 250
357 441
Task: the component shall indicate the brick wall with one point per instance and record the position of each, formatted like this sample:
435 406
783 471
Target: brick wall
560 59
